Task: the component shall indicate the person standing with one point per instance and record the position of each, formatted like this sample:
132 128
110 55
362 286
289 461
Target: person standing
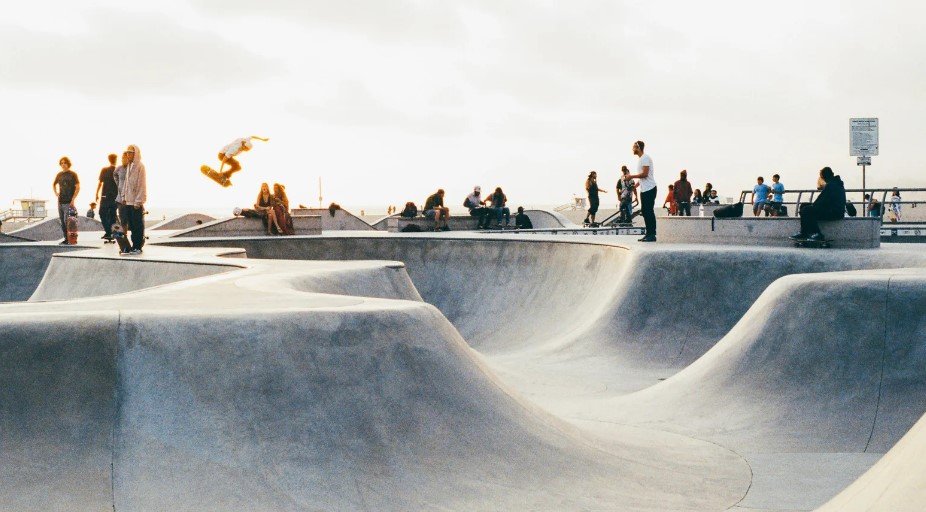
683 194
778 199
760 196
895 205
627 194
646 175
591 186
66 186
134 195
107 202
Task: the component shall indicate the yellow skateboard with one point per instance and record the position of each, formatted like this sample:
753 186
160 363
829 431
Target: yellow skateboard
215 176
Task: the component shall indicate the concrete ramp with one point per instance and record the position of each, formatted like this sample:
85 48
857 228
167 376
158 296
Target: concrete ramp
543 219
49 230
247 227
22 267
184 221
342 220
897 483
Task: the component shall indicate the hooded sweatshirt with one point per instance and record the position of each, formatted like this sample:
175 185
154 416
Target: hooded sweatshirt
832 198
135 190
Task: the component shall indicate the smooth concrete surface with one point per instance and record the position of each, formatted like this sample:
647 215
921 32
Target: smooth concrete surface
49 230
183 221
11 239
247 227
543 219
23 265
342 220
851 232
396 224
458 371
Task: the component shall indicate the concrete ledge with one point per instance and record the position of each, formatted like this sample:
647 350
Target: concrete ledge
851 232
243 226
341 221
456 223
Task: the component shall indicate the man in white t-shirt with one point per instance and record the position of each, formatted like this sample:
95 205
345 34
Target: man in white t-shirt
647 188
228 153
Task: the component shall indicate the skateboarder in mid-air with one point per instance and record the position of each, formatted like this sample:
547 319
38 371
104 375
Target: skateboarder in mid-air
229 152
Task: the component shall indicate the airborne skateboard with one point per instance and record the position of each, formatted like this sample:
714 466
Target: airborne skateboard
215 176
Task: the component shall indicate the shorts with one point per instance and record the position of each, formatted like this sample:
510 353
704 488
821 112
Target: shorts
593 206
429 213
759 207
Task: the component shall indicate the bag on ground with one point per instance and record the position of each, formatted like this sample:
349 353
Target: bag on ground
730 210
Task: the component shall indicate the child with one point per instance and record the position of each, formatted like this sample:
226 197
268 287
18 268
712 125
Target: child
627 193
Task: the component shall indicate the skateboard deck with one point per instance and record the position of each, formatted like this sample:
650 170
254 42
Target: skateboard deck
818 244
71 226
215 176
121 239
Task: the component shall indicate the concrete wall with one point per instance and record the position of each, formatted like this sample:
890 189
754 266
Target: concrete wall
456 223
22 267
342 220
184 221
242 226
857 232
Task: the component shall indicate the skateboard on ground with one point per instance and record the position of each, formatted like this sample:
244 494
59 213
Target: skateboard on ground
215 176
816 244
121 239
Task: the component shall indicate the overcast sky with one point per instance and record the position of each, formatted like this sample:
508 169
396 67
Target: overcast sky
387 101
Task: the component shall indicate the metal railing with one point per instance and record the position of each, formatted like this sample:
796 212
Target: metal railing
807 196
31 214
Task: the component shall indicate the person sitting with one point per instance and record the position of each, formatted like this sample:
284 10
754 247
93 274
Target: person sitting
410 211
697 199
522 221
264 207
283 221
712 199
477 207
434 209
498 200
829 205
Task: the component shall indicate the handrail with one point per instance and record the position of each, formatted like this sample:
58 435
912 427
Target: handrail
871 191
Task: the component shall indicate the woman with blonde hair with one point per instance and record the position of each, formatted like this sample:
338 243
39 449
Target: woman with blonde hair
264 206
283 221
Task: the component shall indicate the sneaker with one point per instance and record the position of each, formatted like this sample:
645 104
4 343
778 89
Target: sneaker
135 252
798 236
445 228
647 239
816 237
63 242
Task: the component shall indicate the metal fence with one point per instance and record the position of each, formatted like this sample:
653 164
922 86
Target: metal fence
793 198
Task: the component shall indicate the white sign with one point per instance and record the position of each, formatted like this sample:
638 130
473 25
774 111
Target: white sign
863 136
864 160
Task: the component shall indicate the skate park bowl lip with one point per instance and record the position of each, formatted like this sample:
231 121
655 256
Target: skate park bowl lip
577 306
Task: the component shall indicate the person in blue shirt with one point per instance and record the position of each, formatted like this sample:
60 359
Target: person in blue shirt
760 196
777 196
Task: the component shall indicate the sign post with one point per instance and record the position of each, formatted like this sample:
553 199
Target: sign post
863 143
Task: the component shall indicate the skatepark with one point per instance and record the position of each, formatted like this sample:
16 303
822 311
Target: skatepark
461 371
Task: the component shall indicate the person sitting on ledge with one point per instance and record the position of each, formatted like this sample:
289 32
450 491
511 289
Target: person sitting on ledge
434 209
829 205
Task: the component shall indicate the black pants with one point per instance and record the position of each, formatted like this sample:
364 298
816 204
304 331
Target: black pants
482 214
108 218
647 201
684 209
811 214
137 225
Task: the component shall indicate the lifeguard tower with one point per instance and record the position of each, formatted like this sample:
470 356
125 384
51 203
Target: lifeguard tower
25 210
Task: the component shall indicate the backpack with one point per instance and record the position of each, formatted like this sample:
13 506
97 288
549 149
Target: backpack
850 209
410 211
730 210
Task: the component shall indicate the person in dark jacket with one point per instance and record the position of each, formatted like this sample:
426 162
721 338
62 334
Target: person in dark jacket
829 205
683 194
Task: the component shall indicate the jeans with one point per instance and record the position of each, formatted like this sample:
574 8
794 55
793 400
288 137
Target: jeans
137 223
108 218
626 212
810 214
647 202
684 208
502 211
63 217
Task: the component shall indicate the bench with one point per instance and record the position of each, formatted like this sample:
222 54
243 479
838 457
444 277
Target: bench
850 232
244 226
456 223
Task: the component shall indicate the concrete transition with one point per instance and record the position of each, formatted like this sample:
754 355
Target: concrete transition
184 221
50 229
461 372
342 220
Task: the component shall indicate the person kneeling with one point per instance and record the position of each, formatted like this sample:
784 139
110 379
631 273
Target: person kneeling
829 205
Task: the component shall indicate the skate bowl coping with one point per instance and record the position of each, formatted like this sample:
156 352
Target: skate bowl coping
849 233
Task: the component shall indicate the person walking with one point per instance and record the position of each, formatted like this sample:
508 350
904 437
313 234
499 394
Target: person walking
134 196
683 194
591 186
646 175
66 186
107 202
